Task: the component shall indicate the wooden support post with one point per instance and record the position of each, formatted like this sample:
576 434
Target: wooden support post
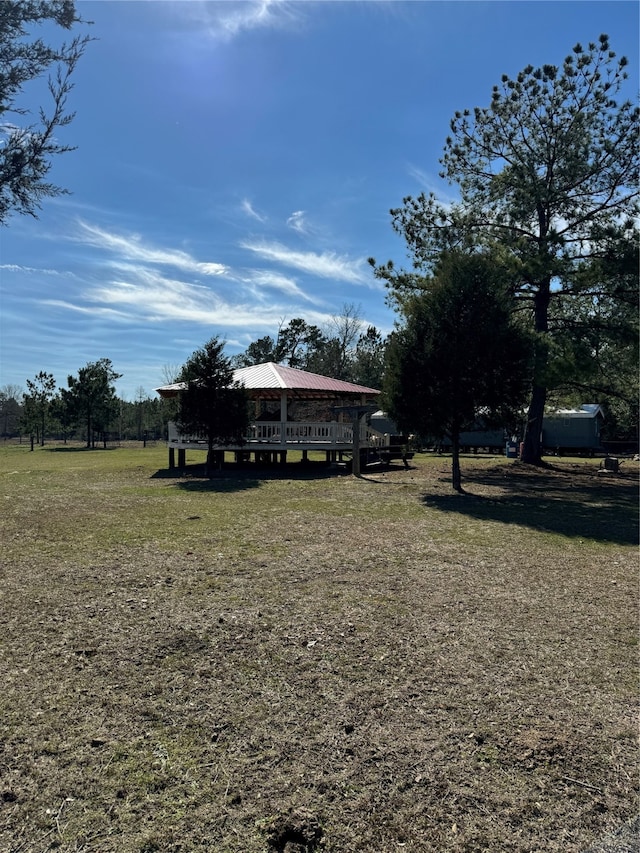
172 458
355 467
182 458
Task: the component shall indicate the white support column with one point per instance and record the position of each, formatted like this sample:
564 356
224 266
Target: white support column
283 418
355 464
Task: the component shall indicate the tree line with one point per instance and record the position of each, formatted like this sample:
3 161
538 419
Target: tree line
522 293
345 348
87 409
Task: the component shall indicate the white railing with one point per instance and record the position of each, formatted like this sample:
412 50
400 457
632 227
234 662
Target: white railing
287 433
176 437
302 432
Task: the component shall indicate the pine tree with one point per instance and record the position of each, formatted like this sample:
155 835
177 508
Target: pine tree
212 404
549 171
457 353
27 148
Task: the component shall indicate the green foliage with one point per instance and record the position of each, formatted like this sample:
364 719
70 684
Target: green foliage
258 352
146 417
342 350
212 404
37 403
552 160
457 353
296 343
549 172
368 362
91 397
11 397
598 330
26 150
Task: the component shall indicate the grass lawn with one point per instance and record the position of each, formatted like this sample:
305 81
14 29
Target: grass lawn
290 661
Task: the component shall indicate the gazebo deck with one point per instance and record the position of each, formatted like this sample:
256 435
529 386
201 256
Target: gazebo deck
280 436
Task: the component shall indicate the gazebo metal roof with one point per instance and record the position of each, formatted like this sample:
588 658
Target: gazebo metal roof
268 380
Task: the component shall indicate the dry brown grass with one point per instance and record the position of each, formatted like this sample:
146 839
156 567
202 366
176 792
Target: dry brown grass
297 662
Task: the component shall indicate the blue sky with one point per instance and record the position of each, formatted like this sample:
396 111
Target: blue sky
236 163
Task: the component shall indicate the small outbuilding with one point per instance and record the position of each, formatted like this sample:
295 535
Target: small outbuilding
573 429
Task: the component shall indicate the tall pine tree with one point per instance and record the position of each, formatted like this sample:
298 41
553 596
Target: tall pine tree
549 171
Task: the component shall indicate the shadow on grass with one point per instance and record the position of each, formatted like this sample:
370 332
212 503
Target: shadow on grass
576 505
78 449
233 477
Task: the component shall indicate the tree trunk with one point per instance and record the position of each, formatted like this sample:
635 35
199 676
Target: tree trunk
532 446
532 440
456 479
215 461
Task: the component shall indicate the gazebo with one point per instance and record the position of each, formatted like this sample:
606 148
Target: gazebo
283 399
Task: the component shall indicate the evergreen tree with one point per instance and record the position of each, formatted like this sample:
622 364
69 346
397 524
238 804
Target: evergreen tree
368 359
258 352
26 149
212 404
62 414
341 349
41 391
11 397
597 333
549 170
458 352
91 397
298 343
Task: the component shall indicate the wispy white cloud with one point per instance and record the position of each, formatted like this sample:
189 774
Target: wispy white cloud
325 265
250 210
268 280
90 310
145 295
136 280
132 248
226 20
157 297
431 183
297 222
18 268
